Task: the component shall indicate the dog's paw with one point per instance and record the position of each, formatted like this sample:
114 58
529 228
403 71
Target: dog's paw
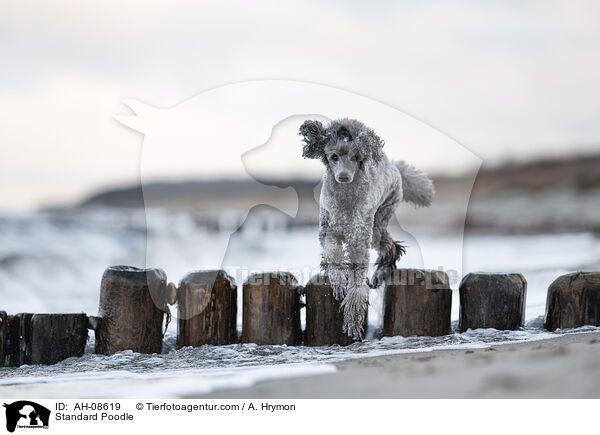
338 280
376 280
355 306
354 331
338 292
379 278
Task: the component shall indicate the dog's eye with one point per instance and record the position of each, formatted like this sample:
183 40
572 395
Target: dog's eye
334 157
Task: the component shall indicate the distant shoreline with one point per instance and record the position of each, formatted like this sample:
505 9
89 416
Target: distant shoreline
539 197
578 173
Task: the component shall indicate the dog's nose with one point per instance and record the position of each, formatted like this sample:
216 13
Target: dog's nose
343 178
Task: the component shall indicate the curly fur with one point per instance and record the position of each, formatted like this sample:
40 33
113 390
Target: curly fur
361 190
416 186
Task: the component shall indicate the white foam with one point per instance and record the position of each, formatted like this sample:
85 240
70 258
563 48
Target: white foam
123 384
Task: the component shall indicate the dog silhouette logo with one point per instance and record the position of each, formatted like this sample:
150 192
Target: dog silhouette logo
26 414
251 128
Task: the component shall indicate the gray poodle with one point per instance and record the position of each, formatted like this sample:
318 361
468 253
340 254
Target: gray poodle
361 190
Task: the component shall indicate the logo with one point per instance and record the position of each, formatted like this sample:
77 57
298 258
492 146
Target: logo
251 128
26 414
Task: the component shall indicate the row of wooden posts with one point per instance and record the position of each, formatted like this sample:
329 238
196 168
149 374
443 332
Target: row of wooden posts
134 302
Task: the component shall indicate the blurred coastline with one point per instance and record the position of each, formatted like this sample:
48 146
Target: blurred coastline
542 196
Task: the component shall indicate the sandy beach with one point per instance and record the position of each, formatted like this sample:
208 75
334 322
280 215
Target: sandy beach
562 367
565 366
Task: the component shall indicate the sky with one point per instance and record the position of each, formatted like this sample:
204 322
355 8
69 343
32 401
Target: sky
509 80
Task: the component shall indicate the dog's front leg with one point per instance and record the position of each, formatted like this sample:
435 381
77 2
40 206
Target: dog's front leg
332 262
356 301
389 251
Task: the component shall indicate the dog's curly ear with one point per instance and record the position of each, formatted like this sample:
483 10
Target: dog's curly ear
371 144
314 138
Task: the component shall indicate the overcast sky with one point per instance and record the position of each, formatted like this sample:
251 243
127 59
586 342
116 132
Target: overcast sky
509 80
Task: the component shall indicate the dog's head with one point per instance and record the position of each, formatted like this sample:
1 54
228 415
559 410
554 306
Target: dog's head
344 146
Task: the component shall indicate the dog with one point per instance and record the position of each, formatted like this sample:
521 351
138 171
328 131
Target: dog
361 190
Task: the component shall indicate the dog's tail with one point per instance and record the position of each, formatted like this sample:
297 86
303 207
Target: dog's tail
417 188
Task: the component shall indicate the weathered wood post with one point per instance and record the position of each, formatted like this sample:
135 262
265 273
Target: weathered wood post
207 309
132 305
573 300
324 318
271 309
492 300
417 302
43 338
18 341
3 336
55 337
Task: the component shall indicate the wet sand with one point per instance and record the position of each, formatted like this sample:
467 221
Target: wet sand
561 367
565 366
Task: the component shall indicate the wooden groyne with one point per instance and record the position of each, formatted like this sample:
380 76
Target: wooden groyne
134 310
133 303
324 317
417 302
492 300
573 300
271 309
28 338
206 309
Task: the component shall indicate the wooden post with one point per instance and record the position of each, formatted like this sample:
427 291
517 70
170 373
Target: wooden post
417 303
573 300
3 336
18 341
271 309
132 306
324 318
12 342
492 300
207 309
55 337
43 338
